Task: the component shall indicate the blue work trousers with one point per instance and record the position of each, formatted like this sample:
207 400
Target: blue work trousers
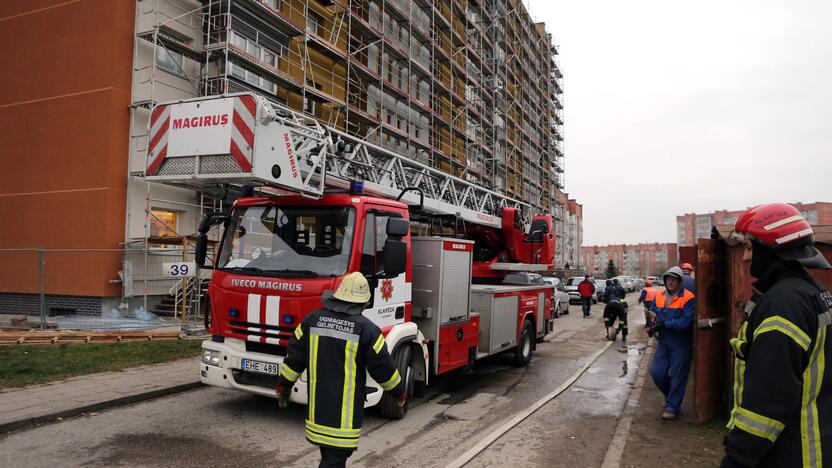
670 369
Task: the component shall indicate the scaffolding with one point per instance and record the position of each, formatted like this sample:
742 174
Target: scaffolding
454 84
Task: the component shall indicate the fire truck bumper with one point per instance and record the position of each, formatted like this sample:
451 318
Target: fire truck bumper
222 366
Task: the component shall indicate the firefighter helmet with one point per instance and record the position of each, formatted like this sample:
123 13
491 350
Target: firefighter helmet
353 288
687 266
779 226
648 283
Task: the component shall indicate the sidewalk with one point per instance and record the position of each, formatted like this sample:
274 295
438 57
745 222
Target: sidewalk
65 398
652 441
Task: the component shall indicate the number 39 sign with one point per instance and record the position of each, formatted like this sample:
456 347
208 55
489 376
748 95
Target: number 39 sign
179 269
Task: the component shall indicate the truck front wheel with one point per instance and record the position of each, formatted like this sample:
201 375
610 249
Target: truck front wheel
523 351
389 405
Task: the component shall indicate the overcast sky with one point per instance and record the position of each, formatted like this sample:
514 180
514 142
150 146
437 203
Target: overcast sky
675 107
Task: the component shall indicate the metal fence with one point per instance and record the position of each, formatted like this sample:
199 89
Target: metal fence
132 288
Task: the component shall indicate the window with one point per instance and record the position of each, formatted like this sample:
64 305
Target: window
309 106
313 23
375 235
163 223
288 241
168 61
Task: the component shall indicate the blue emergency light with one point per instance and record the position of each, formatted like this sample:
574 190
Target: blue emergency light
233 313
288 319
356 187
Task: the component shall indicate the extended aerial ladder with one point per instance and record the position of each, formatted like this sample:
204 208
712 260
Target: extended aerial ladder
244 139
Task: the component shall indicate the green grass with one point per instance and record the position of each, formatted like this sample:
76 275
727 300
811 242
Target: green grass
26 365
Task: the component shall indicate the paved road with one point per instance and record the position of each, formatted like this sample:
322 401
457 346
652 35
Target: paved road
210 426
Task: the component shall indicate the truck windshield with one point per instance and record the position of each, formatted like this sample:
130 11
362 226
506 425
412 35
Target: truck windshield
288 241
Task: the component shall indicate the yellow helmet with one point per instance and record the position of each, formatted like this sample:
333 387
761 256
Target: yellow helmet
353 288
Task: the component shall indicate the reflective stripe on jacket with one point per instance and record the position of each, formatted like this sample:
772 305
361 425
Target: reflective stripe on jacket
338 350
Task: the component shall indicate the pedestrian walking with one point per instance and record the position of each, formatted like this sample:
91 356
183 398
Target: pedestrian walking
782 392
688 280
646 298
338 346
586 289
671 317
616 310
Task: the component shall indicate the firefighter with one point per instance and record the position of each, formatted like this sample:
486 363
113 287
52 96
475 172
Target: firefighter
688 280
671 317
614 291
586 289
616 310
782 392
648 295
338 345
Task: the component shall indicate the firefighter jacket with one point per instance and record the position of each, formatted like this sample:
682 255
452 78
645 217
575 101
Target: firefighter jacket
337 348
782 392
677 311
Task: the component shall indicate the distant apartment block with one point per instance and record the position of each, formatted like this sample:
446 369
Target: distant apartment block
570 232
632 260
693 226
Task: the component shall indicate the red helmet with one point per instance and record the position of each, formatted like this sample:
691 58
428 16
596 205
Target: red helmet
687 266
648 282
781 227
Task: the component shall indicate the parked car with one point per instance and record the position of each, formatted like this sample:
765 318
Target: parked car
561 296
627 283
600 290
572 288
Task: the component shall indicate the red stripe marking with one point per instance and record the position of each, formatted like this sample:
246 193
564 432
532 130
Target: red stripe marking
241 159
154 165
249 104
163 130
156 113
246 132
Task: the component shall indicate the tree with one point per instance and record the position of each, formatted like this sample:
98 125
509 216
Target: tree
612 271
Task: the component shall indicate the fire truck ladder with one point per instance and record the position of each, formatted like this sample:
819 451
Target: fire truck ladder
328 158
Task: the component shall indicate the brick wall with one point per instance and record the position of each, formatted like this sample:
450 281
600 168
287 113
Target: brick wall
29 304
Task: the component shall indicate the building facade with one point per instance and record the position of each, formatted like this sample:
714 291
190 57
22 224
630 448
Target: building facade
633 260
693 226
455 84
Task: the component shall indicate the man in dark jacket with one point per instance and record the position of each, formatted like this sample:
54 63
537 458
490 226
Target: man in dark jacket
338 346
614 291
782 392
586 289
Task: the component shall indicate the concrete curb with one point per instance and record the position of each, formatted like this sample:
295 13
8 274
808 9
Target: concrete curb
125 400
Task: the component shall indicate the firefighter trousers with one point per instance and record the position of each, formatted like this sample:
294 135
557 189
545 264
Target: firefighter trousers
670 369
332 457
611 315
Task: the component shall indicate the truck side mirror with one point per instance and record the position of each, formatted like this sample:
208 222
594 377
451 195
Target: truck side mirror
397 227
395 257
201 249
394 252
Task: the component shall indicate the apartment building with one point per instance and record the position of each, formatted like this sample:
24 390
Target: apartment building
633 260
455 84
693 226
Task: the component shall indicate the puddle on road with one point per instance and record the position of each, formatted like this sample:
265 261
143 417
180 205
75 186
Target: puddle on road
157 449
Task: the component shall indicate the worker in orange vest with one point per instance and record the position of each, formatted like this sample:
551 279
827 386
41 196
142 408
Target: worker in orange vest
648 295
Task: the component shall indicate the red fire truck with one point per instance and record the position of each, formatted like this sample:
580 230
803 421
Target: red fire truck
436 248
